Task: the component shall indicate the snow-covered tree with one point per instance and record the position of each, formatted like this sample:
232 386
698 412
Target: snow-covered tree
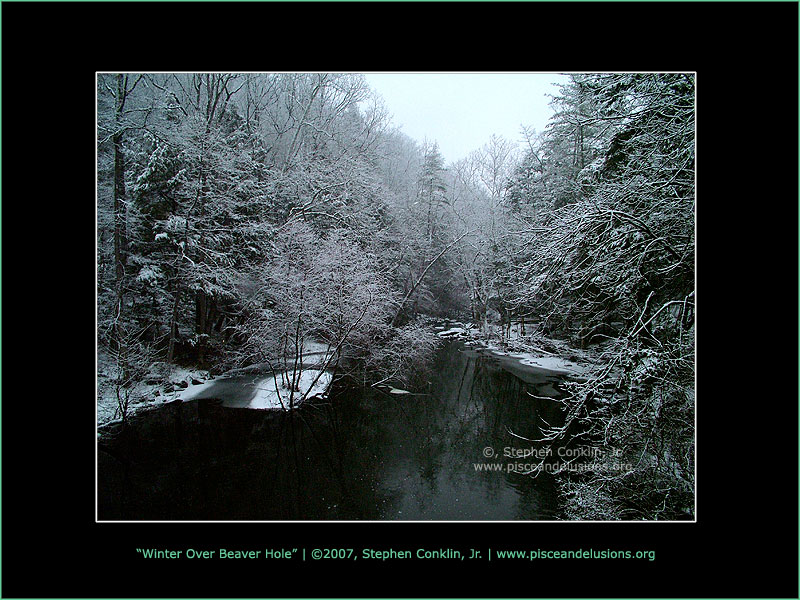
615 264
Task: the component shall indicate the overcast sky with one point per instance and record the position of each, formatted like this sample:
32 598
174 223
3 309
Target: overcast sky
461 110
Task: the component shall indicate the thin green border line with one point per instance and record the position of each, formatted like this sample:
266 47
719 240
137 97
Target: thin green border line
414 1
1 290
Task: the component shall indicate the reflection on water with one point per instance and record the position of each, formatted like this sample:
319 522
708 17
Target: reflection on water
364 455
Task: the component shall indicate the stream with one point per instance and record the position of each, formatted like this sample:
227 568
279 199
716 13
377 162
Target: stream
361 454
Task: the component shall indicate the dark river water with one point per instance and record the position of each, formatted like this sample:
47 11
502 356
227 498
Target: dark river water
361 455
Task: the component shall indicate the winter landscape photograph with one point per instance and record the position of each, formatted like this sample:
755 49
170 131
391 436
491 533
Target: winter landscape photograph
395 296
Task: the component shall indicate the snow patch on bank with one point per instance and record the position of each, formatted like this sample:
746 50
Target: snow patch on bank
143 395
546 362
453 331
163 377
272 394
524 349
189 393
551 363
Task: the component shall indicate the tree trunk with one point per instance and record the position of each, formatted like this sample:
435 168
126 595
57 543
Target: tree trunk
502 327
173 325
200 320
120 209
120 224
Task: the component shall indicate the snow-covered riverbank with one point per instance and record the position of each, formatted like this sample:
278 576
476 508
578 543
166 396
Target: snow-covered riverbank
558 357
162 385
165 383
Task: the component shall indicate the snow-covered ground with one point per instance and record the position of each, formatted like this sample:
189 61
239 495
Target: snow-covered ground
525 350
550 363
452 331
152 391
143 394
271 396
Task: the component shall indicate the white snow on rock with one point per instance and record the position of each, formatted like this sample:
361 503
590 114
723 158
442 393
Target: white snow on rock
398 391
551 363
268 396
539 360
453 331
188 393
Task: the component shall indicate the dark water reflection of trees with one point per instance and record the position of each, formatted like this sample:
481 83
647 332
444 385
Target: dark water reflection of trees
364 454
